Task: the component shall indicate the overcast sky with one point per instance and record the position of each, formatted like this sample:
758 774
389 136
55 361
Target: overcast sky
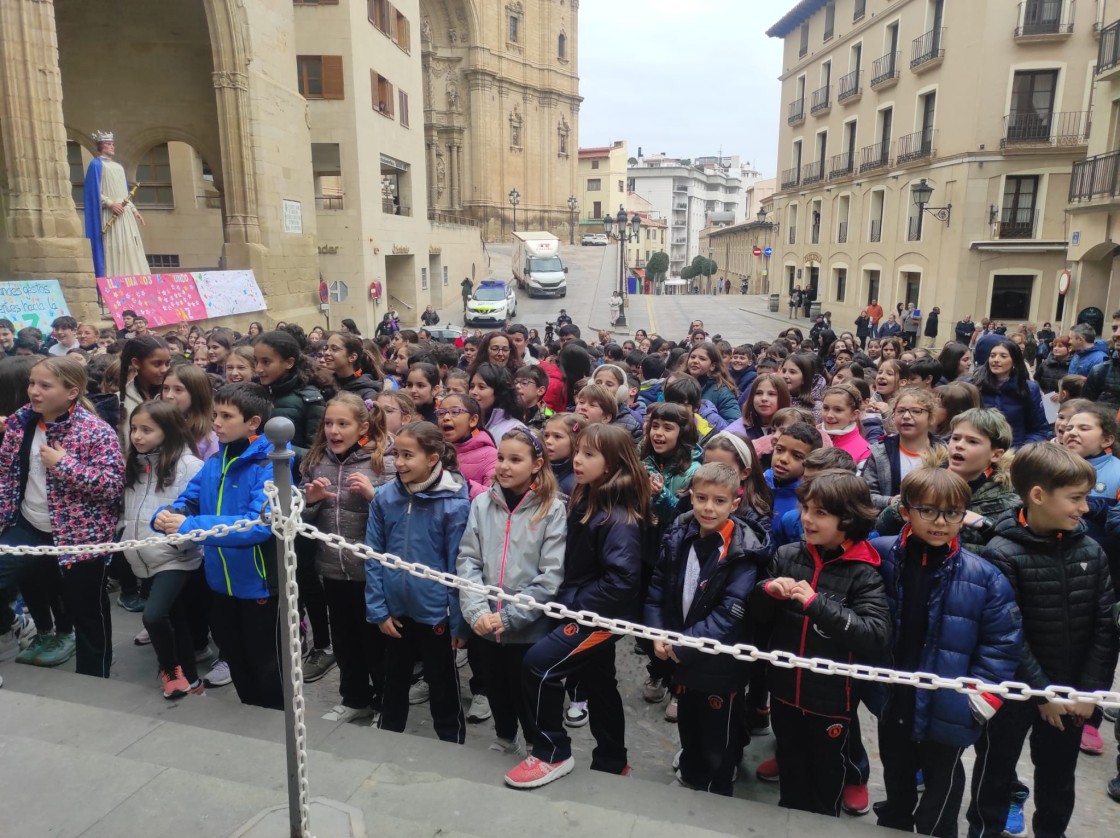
707 77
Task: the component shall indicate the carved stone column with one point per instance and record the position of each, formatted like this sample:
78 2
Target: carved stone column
231 90
44 237
453 164
459 174
433 185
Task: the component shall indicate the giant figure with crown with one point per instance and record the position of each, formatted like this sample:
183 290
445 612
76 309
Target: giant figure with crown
112 220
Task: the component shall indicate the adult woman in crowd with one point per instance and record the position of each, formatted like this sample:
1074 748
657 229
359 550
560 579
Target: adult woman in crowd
955 360
1005 385
496 348
863 328
1054 366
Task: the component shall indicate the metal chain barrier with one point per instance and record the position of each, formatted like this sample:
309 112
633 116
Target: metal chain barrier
197 536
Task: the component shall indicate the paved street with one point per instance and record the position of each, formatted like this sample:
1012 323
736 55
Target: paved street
650 739
593 274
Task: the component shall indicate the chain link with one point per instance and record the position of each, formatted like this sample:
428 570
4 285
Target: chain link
286 529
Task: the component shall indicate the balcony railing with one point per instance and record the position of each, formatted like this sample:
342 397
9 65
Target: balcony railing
822 100
793 235
849 86
914 229
1017 223
791 178
812 173
885 70
875 156
1033 128
815 234
842 232
1108 50
841 165
796 111
1042 17
928 47
876 231
1095 177
916 146
328 202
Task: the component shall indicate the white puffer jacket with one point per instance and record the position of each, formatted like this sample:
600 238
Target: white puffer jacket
141 502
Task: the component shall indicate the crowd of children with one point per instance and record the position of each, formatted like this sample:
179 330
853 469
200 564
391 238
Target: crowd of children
880 507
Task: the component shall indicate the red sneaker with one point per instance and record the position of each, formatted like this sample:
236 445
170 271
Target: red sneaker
1091 742
855 800
174 684
768 771
533 773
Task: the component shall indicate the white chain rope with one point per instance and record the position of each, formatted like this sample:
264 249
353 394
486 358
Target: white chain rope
1013 690
285 531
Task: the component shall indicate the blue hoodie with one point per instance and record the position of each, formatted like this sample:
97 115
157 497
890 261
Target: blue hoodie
423 527
225 490
785 498
1083 360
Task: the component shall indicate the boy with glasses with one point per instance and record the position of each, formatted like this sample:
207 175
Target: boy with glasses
954 615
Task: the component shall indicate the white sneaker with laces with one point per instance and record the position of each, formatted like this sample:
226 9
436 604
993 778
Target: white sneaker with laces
341 713
24 629
512 747
418 693
218 676
576 715
479 710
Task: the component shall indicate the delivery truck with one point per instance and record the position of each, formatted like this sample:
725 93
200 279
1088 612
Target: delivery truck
537 266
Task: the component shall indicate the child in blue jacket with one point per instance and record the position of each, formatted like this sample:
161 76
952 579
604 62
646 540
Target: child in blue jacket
420 517
240 567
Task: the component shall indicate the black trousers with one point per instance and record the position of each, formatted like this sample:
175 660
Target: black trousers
857 767
165 618
1054 755
312 599
121 570
709 727
432 646
574 649
479 676
501 663
196 600
811 755
87 605
358 646
939 808
249 634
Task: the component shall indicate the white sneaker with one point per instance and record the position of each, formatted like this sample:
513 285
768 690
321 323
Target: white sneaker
341 713
576 715
142 639
24 629
218 676
507 746
479 710
418 693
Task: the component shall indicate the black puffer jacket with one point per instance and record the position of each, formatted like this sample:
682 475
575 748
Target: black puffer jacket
847 621
363 386
602 564
301 402
1064 591
730 563
1103 383
1050 373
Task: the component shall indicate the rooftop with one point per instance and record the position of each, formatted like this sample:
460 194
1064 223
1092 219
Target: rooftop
795 17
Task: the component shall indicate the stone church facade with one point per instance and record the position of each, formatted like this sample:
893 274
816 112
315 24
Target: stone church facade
286 105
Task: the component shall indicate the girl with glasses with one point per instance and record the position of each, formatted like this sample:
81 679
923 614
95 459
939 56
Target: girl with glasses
900 453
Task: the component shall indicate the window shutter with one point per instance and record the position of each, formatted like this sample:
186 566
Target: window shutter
333 87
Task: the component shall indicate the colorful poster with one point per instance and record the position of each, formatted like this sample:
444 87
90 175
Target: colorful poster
229 292
161 299
32 302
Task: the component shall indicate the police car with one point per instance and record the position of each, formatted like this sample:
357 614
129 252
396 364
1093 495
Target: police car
493 303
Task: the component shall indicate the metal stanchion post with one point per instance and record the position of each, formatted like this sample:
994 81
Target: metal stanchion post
280 432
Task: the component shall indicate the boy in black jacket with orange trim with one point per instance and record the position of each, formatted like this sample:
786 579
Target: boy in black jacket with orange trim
707 567
825 599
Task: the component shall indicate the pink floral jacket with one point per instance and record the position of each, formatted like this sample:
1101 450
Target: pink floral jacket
84 489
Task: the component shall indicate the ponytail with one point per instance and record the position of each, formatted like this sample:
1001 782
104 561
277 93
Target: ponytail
137 349
431 441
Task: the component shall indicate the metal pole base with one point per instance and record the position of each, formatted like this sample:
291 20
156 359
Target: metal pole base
620 323
331 818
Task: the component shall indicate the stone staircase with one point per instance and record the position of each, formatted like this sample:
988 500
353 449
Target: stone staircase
87 757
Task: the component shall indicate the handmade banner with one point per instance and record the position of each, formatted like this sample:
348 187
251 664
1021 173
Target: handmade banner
32 302
163 299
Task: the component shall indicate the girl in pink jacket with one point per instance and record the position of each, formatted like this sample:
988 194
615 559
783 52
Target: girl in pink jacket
458 418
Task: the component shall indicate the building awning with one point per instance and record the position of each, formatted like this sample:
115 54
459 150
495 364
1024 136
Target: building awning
1020 246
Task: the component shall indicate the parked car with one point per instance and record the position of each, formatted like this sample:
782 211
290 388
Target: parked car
594 240
446 333
493 303
587 240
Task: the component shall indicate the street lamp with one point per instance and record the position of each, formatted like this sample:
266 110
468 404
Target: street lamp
761 215
622 235
921 192
572 203
514 200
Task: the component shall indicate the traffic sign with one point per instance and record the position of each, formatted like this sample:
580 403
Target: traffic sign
757 250
768 252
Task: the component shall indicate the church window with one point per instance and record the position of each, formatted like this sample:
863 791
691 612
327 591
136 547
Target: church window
153 174
562 46
514 29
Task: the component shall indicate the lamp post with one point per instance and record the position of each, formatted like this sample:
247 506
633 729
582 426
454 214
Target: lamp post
572 203
622 235
514 200
921 193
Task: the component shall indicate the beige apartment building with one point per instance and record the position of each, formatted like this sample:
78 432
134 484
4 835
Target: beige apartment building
1094 192
354 141
979 109
601 185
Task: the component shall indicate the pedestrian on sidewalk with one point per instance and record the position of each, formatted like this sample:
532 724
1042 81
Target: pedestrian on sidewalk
875 312
794 301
